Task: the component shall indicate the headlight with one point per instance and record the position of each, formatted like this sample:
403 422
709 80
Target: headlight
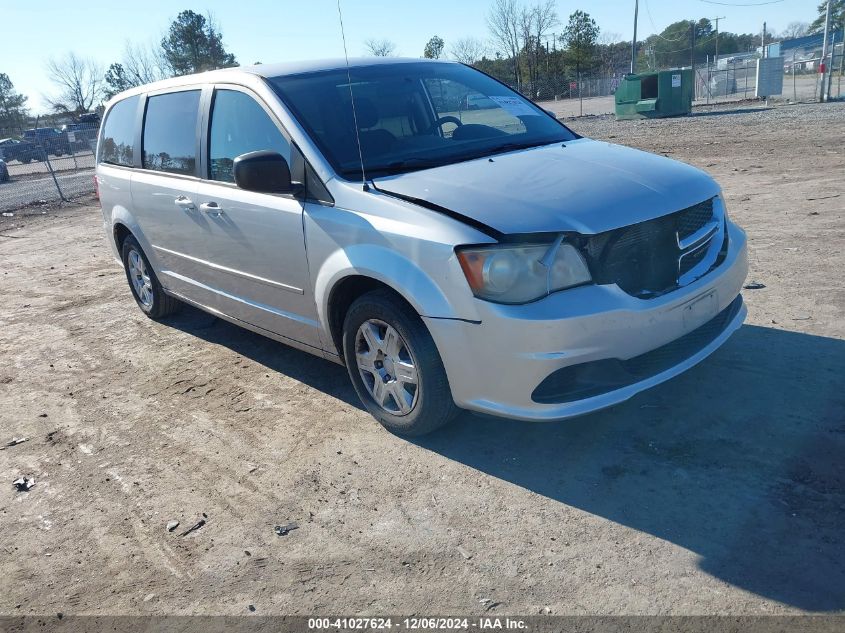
519 273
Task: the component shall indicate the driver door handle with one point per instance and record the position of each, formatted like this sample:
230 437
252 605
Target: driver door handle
211 208
184 202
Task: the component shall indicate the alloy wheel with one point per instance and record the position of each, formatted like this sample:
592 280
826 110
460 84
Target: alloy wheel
140 278
387 367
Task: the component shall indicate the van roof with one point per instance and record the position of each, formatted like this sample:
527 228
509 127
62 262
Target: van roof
296 68
273 70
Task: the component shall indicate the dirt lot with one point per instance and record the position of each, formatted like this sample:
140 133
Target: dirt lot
722 491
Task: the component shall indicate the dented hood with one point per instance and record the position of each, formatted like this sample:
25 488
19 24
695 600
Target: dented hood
587 186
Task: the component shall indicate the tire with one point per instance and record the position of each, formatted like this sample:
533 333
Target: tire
431 405
145 287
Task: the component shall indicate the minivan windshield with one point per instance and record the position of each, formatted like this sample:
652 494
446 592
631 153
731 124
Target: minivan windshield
412 116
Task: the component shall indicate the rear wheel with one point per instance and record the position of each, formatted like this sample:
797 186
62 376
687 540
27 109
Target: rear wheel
394 365
148 293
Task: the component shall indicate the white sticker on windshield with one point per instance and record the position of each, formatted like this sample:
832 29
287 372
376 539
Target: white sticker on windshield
515 106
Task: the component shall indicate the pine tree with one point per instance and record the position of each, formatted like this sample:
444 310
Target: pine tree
194 44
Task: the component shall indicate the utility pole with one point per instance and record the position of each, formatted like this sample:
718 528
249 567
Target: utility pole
692 47
823 85
634 41
832 57
716 20
763 42
692 57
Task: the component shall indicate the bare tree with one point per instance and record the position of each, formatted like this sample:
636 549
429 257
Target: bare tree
545 19
796 29
145 63
380 48
467 50
141 64
611 51
503 22
527 45
535 23
79 81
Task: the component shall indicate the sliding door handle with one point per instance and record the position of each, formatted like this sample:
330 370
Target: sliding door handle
184 202
211 208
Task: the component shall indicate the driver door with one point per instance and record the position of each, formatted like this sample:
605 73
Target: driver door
256 269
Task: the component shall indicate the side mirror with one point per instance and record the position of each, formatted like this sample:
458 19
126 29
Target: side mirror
263 171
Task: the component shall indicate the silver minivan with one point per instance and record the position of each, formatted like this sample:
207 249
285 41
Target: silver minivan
451 258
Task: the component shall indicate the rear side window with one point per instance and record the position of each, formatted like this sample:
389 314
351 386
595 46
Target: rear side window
119 134
170 132
240 125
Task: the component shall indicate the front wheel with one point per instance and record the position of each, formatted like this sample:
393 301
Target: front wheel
395 367
146 289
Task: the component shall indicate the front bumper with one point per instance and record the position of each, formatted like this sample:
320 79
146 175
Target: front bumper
495 366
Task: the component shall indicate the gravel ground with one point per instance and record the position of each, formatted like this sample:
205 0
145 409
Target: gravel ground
32 183
719 492
35 188
80 160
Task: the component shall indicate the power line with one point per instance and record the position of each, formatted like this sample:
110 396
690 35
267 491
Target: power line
698 42
650 19
742 4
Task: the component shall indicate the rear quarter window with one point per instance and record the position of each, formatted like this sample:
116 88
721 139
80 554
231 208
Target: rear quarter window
116 147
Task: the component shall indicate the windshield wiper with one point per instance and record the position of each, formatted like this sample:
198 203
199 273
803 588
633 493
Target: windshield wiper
415 163
406 164
509 147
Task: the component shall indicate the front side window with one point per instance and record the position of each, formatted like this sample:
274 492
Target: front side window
412 116
170 132
239 125
119 134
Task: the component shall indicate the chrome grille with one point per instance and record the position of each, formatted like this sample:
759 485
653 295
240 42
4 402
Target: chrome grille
651 258
692 219
688 262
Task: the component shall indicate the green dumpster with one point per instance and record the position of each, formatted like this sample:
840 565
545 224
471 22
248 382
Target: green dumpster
656 94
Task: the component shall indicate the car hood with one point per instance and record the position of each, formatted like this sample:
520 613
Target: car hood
584 186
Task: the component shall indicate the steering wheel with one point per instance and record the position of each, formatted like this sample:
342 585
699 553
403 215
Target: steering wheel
444 119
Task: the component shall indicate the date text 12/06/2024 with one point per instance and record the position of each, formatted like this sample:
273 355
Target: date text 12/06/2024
417 624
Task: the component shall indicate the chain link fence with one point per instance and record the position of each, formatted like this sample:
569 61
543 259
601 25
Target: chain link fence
715 82
801 82
574 94
576 86
46 164
726 81
730 80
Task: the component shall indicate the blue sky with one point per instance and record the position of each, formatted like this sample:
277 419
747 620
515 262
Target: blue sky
280 30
